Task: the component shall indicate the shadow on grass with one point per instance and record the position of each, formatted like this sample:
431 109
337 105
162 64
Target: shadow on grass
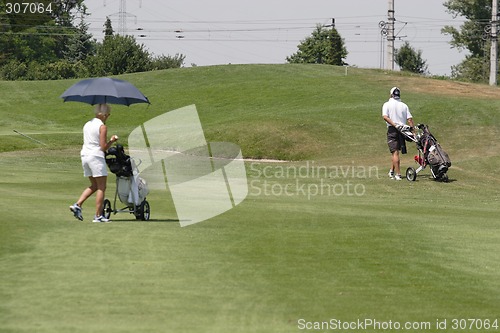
428 177
141 221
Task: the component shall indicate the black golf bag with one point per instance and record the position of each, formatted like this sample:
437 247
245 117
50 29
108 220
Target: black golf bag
118 162
429 153
434 155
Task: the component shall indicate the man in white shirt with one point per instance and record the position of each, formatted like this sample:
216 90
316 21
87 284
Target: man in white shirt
396 114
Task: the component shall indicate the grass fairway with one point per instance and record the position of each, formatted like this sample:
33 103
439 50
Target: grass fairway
322 237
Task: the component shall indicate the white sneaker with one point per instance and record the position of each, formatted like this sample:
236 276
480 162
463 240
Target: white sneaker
77 211
100 219
397 177
391 174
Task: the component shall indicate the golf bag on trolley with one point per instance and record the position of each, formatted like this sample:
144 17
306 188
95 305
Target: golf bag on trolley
429 153
131 189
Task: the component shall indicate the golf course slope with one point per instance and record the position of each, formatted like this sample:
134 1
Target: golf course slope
323 241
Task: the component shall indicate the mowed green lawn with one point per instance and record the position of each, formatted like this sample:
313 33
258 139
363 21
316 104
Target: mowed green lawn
323 237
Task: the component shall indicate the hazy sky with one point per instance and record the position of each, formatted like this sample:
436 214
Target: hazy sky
266 31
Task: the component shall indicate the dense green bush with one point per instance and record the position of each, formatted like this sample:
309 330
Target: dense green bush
166 62
14 70
61 69
115 55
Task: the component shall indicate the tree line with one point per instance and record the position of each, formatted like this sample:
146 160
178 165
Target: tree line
56 44
326 46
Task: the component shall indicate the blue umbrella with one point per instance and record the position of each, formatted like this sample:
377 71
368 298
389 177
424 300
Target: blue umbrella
104 90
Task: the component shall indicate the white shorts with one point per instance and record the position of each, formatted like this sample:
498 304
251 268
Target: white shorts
94 166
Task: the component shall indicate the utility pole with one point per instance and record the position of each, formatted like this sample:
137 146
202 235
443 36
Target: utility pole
390 36
122 16
332 25
494 43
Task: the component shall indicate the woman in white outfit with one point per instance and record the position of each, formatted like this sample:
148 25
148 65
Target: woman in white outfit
95 144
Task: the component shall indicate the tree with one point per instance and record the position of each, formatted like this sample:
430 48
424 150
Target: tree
324 46
65 11
122 54
408 59
33 44
472 69
117 55
469 36
42 36
80 44
108 28
56 48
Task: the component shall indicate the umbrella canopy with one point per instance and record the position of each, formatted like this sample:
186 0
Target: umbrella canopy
104 90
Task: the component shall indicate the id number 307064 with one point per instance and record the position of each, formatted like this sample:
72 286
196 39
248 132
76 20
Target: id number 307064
28 8
474 324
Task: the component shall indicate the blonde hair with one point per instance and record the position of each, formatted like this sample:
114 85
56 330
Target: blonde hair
103 109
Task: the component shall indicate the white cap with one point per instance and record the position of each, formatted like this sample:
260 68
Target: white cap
395 91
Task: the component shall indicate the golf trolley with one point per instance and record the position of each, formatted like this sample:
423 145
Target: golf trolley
131 189
429 153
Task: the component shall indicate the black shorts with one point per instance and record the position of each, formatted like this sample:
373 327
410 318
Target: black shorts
393 139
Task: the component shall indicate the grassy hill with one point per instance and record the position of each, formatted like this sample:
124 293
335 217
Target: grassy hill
360 247
287 112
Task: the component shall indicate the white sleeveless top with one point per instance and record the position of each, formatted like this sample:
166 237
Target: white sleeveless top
91 146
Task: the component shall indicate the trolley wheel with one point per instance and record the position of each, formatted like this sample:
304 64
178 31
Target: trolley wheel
444 178
143 211
106 208
411 174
